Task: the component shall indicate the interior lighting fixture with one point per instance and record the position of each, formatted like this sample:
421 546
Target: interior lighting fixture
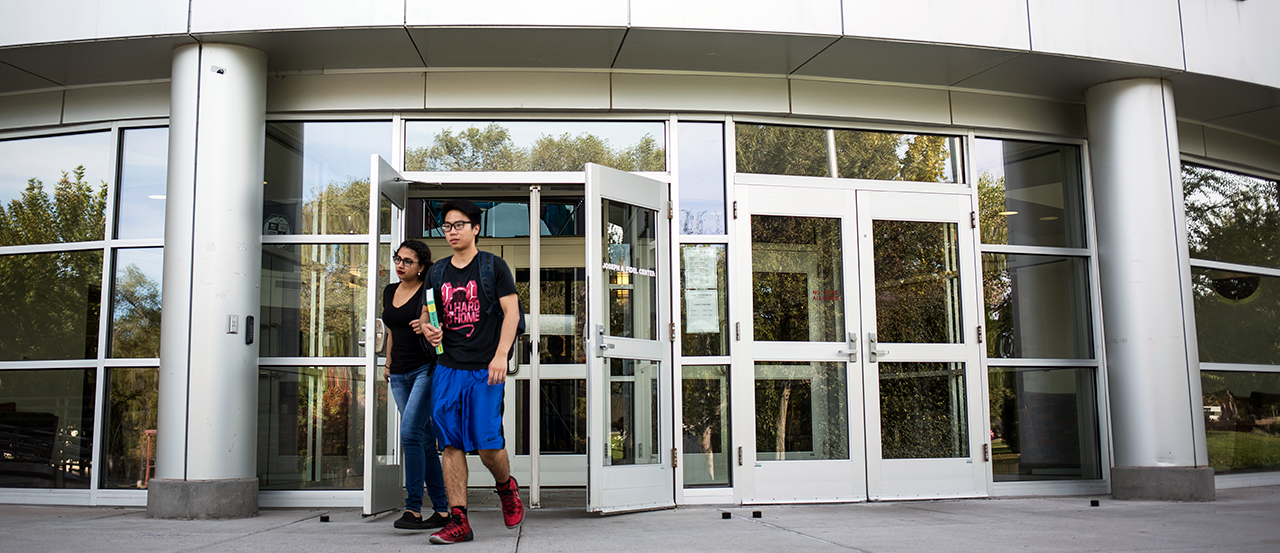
1049 218
1007 213
157 196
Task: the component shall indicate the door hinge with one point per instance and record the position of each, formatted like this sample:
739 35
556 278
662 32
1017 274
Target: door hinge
673 332
739 455
671 210
973 219
979 334
737 332
735 209
674 463
986 452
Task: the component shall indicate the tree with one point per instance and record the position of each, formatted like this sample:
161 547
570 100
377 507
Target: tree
135 325
492 149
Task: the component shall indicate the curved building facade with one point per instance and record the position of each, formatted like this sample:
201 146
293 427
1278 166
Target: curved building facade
798 251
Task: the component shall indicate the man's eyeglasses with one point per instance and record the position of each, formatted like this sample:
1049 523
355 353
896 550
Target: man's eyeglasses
402 261
458 226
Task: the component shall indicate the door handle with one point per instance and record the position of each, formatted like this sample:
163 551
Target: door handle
852 352
872 353
601 346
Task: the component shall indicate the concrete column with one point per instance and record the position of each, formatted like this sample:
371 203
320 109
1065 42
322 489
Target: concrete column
206 460
1153 368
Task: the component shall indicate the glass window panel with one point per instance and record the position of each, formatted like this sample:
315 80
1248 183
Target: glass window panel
534 145
564 310
701 178
704 301
632 413
630 270
917 282
46 428
129 454
1237 316
797 279
54 189
1044 424
563 418
1029 194
144 166
705 429
1037 306
1242 420
317 176
923 411
1232 217
501 218
777 150
802 411
135 302
313 300
902 157
49 305
311 427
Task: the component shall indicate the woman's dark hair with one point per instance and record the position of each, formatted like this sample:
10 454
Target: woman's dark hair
423 253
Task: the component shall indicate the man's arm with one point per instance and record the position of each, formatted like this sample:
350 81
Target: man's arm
511 320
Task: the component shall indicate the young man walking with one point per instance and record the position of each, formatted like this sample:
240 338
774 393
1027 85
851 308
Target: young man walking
468 387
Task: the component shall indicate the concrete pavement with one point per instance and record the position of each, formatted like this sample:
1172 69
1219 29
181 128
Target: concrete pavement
1243 520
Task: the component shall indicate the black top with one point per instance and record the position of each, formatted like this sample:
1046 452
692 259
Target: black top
471 335
406 346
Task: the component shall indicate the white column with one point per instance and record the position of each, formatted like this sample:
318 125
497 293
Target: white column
207 435
1152 361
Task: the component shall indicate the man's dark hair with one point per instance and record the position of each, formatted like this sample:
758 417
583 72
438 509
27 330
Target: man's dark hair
467 207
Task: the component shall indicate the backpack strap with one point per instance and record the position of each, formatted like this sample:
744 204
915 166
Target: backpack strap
486 281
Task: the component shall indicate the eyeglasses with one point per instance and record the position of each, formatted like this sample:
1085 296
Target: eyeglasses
402 261
458 226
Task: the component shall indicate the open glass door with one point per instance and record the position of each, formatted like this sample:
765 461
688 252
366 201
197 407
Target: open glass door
382 472
629 445
923 380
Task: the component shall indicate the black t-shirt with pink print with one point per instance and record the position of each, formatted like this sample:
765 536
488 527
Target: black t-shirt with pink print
471 334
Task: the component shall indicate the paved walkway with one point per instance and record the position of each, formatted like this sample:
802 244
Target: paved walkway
1245 520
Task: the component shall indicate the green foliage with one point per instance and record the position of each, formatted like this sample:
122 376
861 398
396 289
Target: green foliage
132 410
492 149
781 150
49 305
1229 451
1232 217
775 150
340 207
75 213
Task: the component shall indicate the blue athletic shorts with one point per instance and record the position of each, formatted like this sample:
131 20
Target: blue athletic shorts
467 410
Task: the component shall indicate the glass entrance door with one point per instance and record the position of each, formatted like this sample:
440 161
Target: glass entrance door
382 475
798 384
920 370
629 446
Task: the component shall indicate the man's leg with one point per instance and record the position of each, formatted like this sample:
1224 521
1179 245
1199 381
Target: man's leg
454 464
496 461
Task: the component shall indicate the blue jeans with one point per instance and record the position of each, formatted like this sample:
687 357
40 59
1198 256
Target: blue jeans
412 392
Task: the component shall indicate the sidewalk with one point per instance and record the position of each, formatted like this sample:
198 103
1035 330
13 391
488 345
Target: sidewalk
1244 520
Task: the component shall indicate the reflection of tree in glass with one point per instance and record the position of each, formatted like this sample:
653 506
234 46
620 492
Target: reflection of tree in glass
1232 217
49 303
135 326
780 150
337 292
340 207
492 149
776 150
920 414
132 412
917 282
75 213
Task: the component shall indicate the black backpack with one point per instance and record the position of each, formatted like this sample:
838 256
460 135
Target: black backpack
487 260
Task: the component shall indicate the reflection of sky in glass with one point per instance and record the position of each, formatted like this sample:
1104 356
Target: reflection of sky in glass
701 178
46 159
988 157
336 152
149 261
619 134
143 174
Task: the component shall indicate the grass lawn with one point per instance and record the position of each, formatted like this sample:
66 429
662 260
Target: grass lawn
1242 450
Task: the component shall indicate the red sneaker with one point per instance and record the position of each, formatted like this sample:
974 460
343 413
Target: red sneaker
458 529
512 507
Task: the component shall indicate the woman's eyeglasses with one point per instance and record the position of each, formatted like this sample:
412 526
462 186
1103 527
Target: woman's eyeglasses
402 261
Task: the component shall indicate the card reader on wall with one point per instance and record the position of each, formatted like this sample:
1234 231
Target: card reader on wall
248 329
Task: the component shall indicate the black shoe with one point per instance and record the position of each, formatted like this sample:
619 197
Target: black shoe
410 522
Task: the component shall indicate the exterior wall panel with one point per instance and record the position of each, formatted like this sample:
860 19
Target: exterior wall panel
1146 32
990 23
1238 148
211 16
1013 113
517 90
30 110
373 91
818 17
116 102
1233 39
72 20
569 13
700 93
891 103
